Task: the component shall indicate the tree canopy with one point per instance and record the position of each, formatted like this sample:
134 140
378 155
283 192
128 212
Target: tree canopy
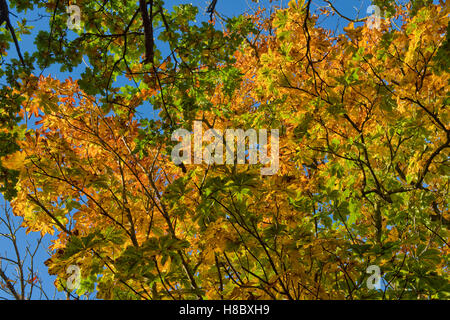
364 141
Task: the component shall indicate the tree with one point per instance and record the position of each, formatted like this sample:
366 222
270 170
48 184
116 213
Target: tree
19 278
364 140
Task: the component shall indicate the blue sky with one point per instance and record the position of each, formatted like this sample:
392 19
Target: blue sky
225 7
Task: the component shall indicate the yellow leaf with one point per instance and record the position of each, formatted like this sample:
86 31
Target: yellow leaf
14 161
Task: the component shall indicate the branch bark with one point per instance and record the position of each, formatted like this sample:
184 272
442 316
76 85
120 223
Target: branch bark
147 20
